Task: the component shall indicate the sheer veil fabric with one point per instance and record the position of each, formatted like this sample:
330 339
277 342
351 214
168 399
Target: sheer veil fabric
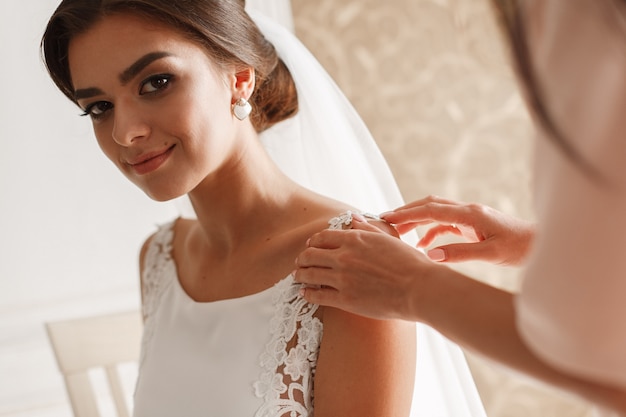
327 148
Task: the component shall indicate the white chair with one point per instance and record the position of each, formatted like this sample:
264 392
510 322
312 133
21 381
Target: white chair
81 345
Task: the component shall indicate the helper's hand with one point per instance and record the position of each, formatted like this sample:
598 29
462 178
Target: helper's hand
491 235
362 270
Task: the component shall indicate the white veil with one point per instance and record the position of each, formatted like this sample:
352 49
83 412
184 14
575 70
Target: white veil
326 147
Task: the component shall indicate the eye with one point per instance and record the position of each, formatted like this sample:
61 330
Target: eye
155 83
98 109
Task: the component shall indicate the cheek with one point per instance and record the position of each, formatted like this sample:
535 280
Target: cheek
201 119
105 140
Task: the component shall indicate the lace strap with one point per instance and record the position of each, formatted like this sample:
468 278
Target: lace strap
158 267
157 263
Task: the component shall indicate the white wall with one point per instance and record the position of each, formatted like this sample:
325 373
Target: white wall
71 225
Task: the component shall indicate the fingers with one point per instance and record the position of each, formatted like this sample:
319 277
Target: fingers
360 223
323 296
319 286
321 252
333 239
326 239
460 252
405 228
316 257
428 212
322 247
436 231
314 276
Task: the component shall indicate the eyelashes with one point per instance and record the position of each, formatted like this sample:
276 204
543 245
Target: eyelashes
98 109
153 85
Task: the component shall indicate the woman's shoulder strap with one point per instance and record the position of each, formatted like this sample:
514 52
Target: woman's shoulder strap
155 263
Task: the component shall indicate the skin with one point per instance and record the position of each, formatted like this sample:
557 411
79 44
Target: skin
477 316
489 235
571 332
349 265
246 208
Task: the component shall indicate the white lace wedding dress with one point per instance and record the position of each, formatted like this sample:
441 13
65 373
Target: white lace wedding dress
251 356
248 356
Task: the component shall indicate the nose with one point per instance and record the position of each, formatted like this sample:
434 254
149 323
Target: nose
129 125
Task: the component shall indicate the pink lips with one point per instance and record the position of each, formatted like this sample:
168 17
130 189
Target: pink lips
149 162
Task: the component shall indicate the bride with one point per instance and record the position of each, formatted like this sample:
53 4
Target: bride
194 98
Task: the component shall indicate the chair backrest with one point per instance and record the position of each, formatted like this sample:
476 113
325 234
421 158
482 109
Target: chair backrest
81 345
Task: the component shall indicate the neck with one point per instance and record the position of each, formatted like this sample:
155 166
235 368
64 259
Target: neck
244 201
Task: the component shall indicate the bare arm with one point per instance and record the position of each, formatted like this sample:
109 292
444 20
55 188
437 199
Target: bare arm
365 368
482 319
410 286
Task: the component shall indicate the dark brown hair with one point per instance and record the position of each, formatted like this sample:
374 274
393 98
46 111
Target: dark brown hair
222 27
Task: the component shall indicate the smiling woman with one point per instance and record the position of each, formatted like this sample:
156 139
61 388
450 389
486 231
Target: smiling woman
226 332
149 102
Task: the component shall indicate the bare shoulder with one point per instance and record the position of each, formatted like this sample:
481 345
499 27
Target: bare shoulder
335 211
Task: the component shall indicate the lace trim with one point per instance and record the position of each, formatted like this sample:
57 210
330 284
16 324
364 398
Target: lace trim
344 220
289 360
158 264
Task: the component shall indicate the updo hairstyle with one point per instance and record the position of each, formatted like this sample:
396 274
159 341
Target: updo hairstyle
222 27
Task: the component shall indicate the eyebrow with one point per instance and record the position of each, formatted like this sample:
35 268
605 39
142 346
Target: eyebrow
86 93
125 76
130 72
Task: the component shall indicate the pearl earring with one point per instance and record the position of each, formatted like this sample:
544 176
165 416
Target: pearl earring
241 108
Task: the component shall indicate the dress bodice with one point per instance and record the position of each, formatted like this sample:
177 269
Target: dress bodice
248 356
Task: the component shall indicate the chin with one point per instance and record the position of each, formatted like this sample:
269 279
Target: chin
162 197
163 194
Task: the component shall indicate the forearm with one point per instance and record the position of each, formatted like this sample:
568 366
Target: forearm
481 319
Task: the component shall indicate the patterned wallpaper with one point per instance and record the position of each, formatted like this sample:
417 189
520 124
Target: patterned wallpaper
431 80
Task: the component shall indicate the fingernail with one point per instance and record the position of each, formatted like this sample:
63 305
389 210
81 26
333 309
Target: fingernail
386 213
437 254
301 292
358 217
308 242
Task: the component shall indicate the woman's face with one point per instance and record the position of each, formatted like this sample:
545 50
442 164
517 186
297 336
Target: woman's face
160 108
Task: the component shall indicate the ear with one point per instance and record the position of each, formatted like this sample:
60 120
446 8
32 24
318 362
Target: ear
242 83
